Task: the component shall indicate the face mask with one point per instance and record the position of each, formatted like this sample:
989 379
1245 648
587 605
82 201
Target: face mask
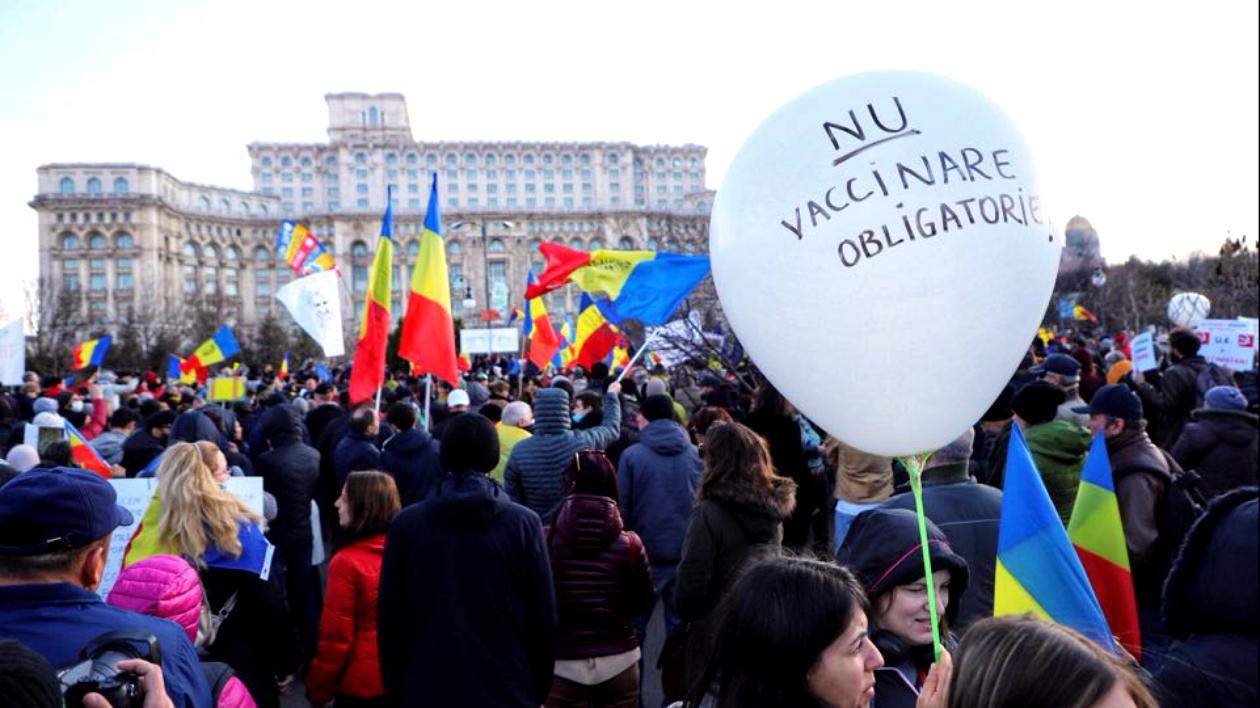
577 417
76 406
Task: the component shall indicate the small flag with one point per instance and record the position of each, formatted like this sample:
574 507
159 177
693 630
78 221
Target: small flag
89 353
368 371
322 373
1038 571
517 313
1081 314
225 388
428 330
595 336
83 454
1097 534
284 368
541 339
222 345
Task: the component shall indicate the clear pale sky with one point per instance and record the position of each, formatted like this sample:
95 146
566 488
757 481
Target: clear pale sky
1142 119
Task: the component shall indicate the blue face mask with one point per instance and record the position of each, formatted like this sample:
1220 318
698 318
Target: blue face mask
577 417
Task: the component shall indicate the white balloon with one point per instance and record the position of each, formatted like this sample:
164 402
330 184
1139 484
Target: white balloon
889 310
1188 309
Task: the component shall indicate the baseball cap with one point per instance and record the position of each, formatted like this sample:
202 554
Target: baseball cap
1115 400
49 510
458 397
1059 364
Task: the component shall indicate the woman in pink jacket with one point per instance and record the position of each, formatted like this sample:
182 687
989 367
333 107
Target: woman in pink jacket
167 586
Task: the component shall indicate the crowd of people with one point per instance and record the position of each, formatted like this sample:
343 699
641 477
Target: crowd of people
504 542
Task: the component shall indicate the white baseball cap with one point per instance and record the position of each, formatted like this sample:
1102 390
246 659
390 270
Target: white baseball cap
458 397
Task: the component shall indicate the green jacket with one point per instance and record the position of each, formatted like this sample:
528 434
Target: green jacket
1058 449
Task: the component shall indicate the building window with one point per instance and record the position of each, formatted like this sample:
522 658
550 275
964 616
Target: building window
286 161
69 241
472 202
360 158
96 241
470 158
307 176
122 239
286 177
359 274
66 187
496 246
70 274
361 188
332 192
122 273
231 282
93 187
262 283
266 161
334 206
120 186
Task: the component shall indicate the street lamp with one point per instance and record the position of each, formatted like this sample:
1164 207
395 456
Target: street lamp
485 253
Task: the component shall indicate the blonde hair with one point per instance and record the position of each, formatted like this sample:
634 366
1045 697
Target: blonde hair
196 513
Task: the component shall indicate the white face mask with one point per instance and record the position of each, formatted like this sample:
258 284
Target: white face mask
76 406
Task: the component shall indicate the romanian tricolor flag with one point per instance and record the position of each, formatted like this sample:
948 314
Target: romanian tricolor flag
517 313
89 353
283 373
176 371
1038 571
83 454
542 339
631 285
1081 314
368 371
1098 537
620 357
428 330
595 336
222 345
564 354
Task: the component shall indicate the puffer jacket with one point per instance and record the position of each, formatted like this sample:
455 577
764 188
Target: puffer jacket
657 478
411 457
1210 604
1220 445
1058 450
290 471
355 452
601 576
167 587
534 475
347 662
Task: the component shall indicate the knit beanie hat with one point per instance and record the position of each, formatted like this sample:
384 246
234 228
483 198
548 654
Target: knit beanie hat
26 678
1038 402
1225 398
469 444
1118 370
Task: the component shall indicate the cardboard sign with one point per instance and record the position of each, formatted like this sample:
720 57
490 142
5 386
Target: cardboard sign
134 496
1143 348
1230 343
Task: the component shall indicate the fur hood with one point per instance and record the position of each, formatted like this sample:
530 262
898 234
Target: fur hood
777 504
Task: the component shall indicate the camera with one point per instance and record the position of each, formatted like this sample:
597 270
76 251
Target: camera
96 670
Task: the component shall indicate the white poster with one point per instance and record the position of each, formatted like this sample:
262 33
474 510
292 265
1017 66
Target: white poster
1143 348
480 340
315 303
12 353
134 496
1230 343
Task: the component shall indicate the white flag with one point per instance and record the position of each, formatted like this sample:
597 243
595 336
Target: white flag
12 353
315 303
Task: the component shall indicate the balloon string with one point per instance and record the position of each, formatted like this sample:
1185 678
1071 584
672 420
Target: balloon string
914 465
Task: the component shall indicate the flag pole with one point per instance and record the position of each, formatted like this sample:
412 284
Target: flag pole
377 406
428 396
633 359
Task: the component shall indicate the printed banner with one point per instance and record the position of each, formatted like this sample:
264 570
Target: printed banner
1230 343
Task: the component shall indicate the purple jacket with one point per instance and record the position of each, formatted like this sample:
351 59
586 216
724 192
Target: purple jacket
601 576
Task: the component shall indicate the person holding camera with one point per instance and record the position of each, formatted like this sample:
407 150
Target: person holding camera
55 527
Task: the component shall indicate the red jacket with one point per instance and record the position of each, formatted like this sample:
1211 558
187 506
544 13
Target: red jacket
346 662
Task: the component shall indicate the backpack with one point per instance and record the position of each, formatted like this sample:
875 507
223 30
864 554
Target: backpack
217 676
1208 378
1178 508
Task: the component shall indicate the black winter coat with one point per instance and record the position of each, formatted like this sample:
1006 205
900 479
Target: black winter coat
1211 605
783 435
320 416
355 452
968 514
257 638
139 450
467 606
602 578
412 458
1174 400
1221 446
290 471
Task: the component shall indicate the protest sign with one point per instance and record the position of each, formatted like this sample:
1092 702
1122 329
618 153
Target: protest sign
314 301
12 354
480 340
134 496
1143 348
226 388
1230 343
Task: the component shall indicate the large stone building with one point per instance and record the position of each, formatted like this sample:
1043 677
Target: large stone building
118 241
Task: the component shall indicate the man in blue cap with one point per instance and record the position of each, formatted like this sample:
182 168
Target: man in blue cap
55 527
1142 474
1064 371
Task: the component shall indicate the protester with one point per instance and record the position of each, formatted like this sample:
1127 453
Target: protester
410 456
968 514
703 419
1063 372
1219 444
167 587
602 587
109 444
147 442
1117 367
55 527
1056 667
1143 475
467 542
513 427
588 410
1057 446
357 450
793 632
325 410
201 522
290 472
28 680
774 419
1210 606
883 551
863 481
534 474
739 515
1181 388
347 661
